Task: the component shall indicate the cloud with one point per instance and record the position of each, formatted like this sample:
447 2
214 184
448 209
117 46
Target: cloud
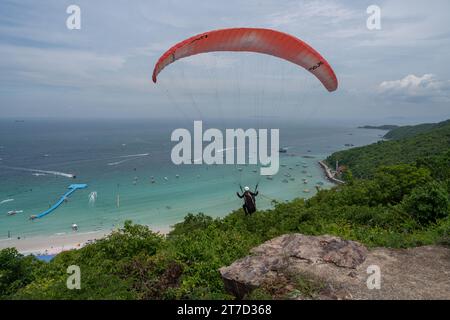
330 10
414 88
56 66
108 63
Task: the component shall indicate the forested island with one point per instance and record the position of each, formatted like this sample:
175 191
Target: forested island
382 127
396 195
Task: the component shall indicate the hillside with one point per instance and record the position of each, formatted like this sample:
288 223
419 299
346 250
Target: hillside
409 145
411 131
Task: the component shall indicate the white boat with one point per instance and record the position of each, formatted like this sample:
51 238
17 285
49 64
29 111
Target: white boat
14 212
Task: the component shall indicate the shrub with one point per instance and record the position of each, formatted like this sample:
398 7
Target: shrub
427 203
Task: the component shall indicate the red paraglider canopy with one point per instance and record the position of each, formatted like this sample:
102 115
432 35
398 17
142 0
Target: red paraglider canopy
266 41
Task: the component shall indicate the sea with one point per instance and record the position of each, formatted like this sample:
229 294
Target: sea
130 176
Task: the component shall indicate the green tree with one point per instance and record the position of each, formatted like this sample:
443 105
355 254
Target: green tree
427 203
392 183
16 271
347 176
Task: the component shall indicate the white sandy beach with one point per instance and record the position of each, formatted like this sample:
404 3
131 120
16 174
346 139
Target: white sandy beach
55 244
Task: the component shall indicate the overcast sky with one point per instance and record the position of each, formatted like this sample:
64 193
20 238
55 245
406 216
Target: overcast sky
400 73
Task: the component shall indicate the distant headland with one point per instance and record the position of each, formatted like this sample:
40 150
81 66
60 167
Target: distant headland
382 127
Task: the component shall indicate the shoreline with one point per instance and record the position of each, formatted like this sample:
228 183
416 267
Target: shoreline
55 244
328 173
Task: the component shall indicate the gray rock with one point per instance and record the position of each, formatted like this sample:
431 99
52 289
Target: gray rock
342 265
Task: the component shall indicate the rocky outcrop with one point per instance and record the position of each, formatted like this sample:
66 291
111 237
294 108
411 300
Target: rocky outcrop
341 269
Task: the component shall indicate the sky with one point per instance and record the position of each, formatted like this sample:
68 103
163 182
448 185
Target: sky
398 74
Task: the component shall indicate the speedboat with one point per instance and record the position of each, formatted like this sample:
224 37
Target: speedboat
14 212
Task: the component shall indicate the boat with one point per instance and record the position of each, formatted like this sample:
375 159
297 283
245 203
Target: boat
14 212
38 174
306 191
282 150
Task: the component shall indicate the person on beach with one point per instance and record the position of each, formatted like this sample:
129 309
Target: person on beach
249 200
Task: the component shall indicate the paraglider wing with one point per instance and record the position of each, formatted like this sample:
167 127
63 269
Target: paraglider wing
266 41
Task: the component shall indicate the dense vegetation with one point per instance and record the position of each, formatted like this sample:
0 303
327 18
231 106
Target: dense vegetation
364 161
410 131
401 205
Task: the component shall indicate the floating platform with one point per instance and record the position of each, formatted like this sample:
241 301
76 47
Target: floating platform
72 188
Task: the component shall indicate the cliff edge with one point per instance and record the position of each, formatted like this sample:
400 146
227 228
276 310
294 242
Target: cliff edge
297 266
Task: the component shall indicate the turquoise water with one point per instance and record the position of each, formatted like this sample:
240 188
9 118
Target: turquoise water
119 159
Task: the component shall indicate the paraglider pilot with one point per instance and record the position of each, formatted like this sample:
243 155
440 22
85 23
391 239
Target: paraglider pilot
249 200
